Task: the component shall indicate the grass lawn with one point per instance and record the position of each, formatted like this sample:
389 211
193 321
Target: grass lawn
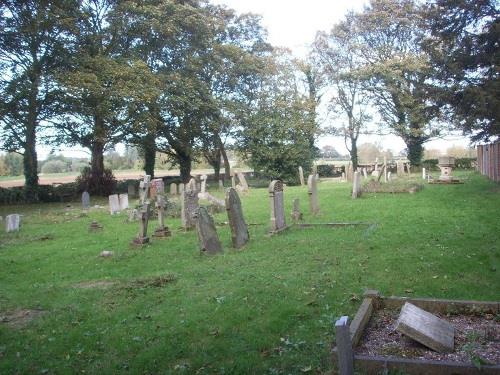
268 309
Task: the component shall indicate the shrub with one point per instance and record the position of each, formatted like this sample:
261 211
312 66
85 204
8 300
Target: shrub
54 166
102 185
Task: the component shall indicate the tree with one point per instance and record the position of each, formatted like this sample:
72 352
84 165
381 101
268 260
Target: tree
329 152
32 48
465 52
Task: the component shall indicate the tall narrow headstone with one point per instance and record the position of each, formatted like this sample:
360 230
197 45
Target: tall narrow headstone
162 230
173 189
181 188
312 190
385 168
277 206
365 173
239 229
189 205
343 176
400 168
424 176
296 214
233 182
389 176
301 176
85 200
203 184
123 199
114 204
12 222
142 238
356 185
243 181
207 233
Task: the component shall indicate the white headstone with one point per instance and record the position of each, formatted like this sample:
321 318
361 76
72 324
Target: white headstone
203 184
114 204
173 189
423 174
123 199
301 176
13 222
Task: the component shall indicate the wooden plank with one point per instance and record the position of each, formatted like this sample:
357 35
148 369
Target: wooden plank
360 321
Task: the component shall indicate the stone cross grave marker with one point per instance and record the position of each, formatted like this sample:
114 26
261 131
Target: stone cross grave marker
239 229
301 176
114 204
162 230
144 189
12 222
85 200
426 328
277 206
142 238
189 205
243 181
123 199
173 189
356 185
312 189
296 214
207 234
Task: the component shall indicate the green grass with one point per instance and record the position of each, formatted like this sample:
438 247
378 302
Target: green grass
268 309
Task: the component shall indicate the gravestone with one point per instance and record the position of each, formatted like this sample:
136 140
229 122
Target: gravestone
301 176
85 200
344 346
162 230
123 199
144 189
189 205
365 173
142 238
424 176
133 215
12 222
157 188
114 204
233 182
239 229
173 189
343 176
376 164
408 169
181 188
389 176
243 181
207 234
312 190
132 192
296 214
426 328
203 184
400 168
277 206
356 185
385 168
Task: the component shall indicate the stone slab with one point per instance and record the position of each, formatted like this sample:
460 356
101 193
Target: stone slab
85 200
426 328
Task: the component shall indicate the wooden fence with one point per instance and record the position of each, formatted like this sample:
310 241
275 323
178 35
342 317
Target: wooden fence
488 160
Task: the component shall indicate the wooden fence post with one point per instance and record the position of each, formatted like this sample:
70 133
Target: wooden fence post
344 346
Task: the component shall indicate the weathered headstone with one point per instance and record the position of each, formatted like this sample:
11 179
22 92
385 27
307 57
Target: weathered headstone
343 176
114 204
239 229
243 181
144 189
189 205
123 199
233 182
426 328
301 176
278 222
133 215
389 176
356 185
385 168
173 189
296 214
181 188
365 173
400 168
142 238
12 222
157 188
312 190
132 193
203 184
408 169
162 230
207 234
85 200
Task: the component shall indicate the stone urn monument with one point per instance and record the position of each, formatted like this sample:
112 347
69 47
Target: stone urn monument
446 164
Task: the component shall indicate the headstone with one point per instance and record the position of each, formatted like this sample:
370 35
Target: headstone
385 169
408 169
181 188
221 185
239 229
376 174
243 181
388 176
132 193
301 176
189 205
114 204
85 200
142 238
203 184
144 188
157 188
426 328
207 234
423 174
12 222
365 173
173 189
400 168
296 214
344 346
343 176
277 206
233 182
162 230
123 199
312 190
133 215
356 185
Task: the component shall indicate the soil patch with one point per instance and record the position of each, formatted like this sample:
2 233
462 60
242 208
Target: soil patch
151 282
376 187
20 318
477 339
98 284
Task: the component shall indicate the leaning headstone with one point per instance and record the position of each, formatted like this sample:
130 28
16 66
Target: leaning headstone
189 205
173 189
12 222
243 181
301 176
207 234
85 200
296 214
114 204
239 229
426 328
277 206
356 185
123 199
162 230
312 190
142 238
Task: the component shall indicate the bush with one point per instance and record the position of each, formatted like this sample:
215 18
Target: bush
326 171
460 163
54 166
102 185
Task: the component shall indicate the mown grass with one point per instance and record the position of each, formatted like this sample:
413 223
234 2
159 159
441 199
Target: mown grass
269 308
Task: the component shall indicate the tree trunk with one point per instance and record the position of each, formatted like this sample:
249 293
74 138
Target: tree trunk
216 165
149 150
97 159
30 164
227 167
354 154
184 166
415 150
